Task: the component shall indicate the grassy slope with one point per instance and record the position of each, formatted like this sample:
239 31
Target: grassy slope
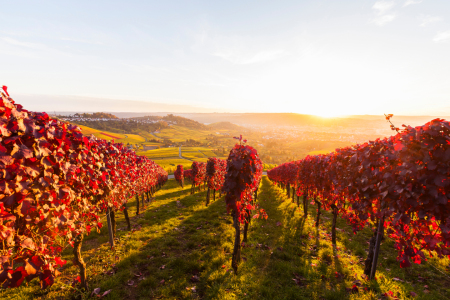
134 138
171 164
160 153
122 138
178 237
181 134
197 152
98 133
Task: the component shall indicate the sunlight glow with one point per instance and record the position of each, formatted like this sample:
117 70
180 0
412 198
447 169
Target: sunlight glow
330 114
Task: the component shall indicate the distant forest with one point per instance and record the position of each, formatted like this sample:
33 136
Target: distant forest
96 115
122 126
181 121
134 125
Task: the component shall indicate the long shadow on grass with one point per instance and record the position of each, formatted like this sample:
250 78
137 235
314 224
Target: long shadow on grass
190 255
95 239
292 263
166 260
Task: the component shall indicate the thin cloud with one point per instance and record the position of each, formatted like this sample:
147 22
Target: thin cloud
250 58
240 50
410 2
81 41
442 37
383 14
382 20
15 42
383 6
425 20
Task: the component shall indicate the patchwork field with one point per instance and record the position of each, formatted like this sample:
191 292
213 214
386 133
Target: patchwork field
168 158
181 134
161 153
102 134
170 164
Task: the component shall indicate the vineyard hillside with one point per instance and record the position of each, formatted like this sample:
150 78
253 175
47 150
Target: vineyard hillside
181 249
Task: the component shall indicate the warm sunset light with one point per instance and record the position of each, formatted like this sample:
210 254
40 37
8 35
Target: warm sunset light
305 57
328 114
238 149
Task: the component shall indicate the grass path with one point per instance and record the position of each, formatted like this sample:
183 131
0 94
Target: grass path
181 249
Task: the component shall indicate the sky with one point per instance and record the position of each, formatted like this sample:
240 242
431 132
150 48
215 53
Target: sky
322 57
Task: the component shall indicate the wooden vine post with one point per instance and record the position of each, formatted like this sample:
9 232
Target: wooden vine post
333 225
112 215
110 227
369 259
137 204
127 218
293 194
319 205
246 224
207 196
78 259
305 203
380 233
236 259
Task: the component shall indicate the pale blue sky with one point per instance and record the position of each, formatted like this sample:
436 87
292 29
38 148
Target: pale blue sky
316 57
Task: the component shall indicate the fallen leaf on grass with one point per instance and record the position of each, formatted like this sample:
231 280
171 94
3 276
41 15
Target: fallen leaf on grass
299 280
95 291
110 272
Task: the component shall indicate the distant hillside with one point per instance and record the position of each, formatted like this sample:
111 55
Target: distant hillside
225 126
121 125
97 115
291 119
174 120
181 121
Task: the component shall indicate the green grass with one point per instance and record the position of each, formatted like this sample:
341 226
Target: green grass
268 166
121 138
160 153
195 153
133 139
170 165
191 153
99 133
181 134
152 144
178 237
